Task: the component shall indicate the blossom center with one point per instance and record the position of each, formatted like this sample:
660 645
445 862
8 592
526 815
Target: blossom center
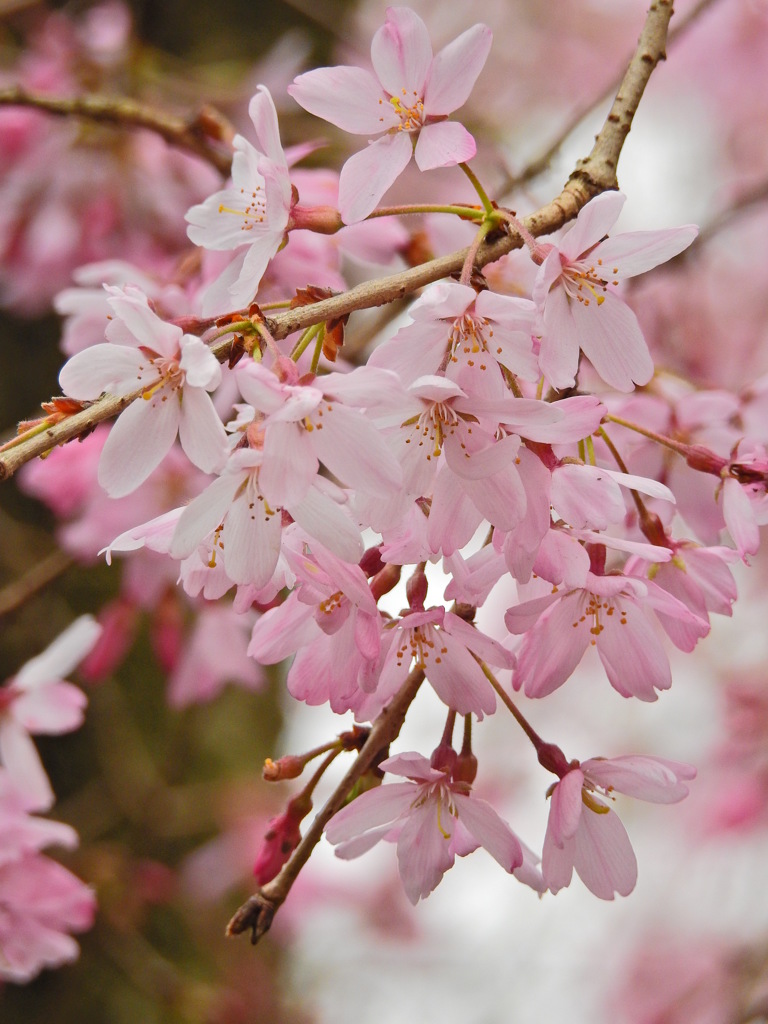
468 338
585 282
254 210
432 425
409 110
597 608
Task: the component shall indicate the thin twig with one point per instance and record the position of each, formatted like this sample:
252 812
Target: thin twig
204 135
34 580
256 914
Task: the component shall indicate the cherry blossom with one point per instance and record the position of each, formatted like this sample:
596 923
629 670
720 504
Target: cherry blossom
575 291
610 612
253 211
37 700
408 97
177 371
430 817
584 834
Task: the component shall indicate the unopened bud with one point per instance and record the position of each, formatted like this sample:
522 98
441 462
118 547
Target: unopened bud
416 589
704 459
465 769
282 837
443 758
385 580
288 767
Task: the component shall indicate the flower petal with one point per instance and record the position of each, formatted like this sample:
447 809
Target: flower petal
138 442
444 145
455 70
351 98
367 175
401 54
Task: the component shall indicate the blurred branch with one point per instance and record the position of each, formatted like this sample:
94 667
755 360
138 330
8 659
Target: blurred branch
256 914
199 135
36 579
540 163
594 174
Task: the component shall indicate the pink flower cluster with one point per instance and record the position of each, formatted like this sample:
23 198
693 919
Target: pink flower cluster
367 517
41 902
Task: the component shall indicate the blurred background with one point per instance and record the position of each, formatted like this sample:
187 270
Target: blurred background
163 781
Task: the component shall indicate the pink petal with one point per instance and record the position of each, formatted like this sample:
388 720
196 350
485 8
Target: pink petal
201 432
252 535
138 442
371 809
559 354
611 338
111 368
264 117
490 831
401 54
351 98
553 648
52 709
603 855
566 807
455 70
645 778
458 679
367 175
200 366
132 310
204 514
423 851
632 654
635 252
593 223
740 518
324 519
20 757
290 464
60 656
355 452
444 144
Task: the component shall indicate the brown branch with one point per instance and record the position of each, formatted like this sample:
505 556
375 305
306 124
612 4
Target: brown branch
34 580
541 163
198 135
256 914
594 174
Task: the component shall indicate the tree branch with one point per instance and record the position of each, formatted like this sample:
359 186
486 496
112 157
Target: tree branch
198 135
256 914
540 163
594 174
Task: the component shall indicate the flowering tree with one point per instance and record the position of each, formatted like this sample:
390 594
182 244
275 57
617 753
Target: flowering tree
515 471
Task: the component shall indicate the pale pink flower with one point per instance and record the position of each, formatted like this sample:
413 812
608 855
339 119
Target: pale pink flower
408 98
430 817
478 332
232 513
20 832
444 646
584 834
575 291
610 612
177 369
331 622
213 655
321 419
40 903
37 700
253 211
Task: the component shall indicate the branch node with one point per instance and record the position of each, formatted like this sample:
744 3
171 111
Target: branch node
256 915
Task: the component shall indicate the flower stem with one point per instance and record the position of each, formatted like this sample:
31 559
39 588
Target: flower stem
469 262
473 213
487 204
304 340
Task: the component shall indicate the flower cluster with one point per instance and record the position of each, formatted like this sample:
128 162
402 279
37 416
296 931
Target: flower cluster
364 512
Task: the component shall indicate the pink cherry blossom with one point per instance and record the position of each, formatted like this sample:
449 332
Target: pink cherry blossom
575 291
40 903
430 817
37 700
253 211
584 834
610 612
177 369
408 98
